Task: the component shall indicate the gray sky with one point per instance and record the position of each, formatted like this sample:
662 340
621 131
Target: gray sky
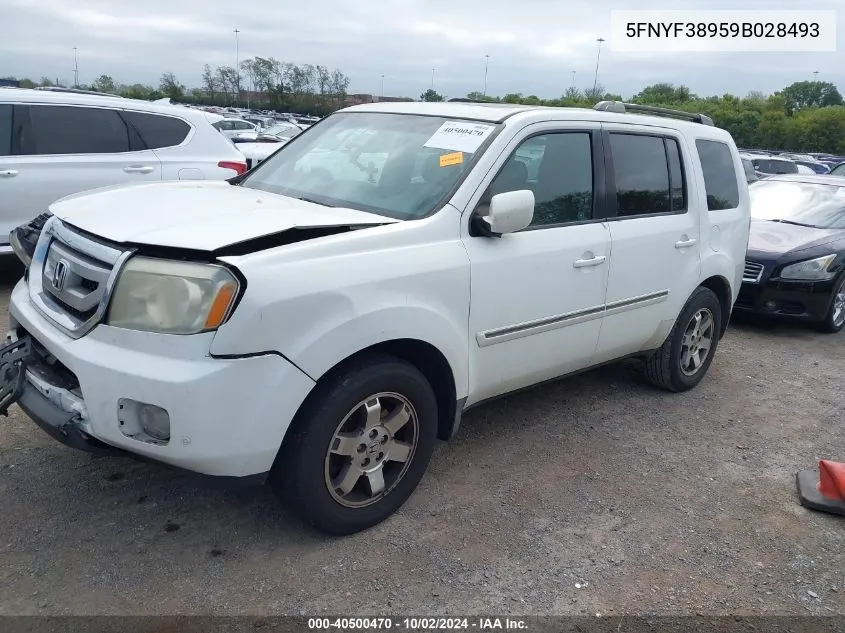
534 45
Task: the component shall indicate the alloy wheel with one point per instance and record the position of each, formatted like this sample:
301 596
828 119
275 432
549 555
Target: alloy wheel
697 341
371 449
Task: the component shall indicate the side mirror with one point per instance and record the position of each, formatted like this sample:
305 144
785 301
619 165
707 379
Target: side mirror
509 212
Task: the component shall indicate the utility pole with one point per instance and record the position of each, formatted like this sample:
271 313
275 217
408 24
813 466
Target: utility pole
237 65
573 79
486 64
432 78
598 57
75 69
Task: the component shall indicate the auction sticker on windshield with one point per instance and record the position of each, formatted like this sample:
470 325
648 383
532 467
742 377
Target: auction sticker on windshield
459 136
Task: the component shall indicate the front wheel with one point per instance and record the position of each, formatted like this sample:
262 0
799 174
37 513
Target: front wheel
686 354
360 445
835 319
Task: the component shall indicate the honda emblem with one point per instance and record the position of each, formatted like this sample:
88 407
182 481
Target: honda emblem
60 274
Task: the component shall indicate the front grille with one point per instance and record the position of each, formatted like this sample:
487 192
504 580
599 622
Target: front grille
76 281
753 272
71 276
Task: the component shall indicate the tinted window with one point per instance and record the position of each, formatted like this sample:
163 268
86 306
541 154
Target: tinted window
558 168
811 204
676 175
839 170
775 166
157 130
5 130
76 130
719 175
642 174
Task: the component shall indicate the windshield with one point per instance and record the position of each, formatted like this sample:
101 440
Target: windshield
397 165
817 205
839 170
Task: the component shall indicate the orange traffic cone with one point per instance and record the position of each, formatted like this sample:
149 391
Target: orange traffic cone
828 493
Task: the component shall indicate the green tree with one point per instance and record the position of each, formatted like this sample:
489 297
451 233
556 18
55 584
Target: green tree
104 83
431 95
810 94
169 87
663 93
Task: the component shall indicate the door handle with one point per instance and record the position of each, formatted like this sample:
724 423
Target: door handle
139 169
594 261
8 173
685 243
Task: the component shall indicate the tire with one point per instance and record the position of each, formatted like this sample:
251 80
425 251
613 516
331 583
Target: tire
664 368
835 319
334 490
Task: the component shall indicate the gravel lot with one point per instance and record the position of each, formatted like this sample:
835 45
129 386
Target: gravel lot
598 494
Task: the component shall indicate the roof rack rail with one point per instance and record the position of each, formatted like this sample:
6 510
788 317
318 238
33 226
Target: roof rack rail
76 91
622 108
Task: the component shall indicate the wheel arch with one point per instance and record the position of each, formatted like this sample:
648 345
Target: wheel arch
721 287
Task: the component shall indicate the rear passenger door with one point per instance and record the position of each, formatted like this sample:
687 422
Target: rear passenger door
655 240
169 138
59 150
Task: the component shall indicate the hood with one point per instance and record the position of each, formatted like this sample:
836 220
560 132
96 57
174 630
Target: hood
780 238
199 215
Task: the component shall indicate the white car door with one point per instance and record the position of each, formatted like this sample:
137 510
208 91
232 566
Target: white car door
537 295
59 150
654 234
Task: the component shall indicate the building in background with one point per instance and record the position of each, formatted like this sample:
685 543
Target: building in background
10 83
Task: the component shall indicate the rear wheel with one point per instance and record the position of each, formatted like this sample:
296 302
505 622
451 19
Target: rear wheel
360 445
686 354
835 319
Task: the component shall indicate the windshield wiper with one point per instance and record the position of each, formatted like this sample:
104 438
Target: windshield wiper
795 223
311 200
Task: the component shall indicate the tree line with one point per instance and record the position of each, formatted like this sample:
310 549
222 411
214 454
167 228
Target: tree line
262 83
805 116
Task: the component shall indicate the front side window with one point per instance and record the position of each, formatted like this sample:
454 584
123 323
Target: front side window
75 130
803 203
398 165
158 130
641 170
558 169
720 184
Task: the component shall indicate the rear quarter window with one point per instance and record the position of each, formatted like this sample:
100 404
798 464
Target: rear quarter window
76 130
719 174
158 130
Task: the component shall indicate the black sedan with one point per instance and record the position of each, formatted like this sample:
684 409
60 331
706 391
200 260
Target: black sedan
795 265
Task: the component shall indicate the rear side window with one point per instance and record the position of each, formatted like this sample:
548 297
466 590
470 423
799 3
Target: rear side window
76 130
719 175
157 130
642 172
5 130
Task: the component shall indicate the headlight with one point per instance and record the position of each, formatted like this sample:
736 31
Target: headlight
172 297
810 270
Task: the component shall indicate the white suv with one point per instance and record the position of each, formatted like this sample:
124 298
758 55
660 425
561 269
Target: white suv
323 328
57 143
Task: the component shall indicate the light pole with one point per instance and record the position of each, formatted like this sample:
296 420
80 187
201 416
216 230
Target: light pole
486 64
75 69
598 57
382 85
816 75
432 78
237 65
573 79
